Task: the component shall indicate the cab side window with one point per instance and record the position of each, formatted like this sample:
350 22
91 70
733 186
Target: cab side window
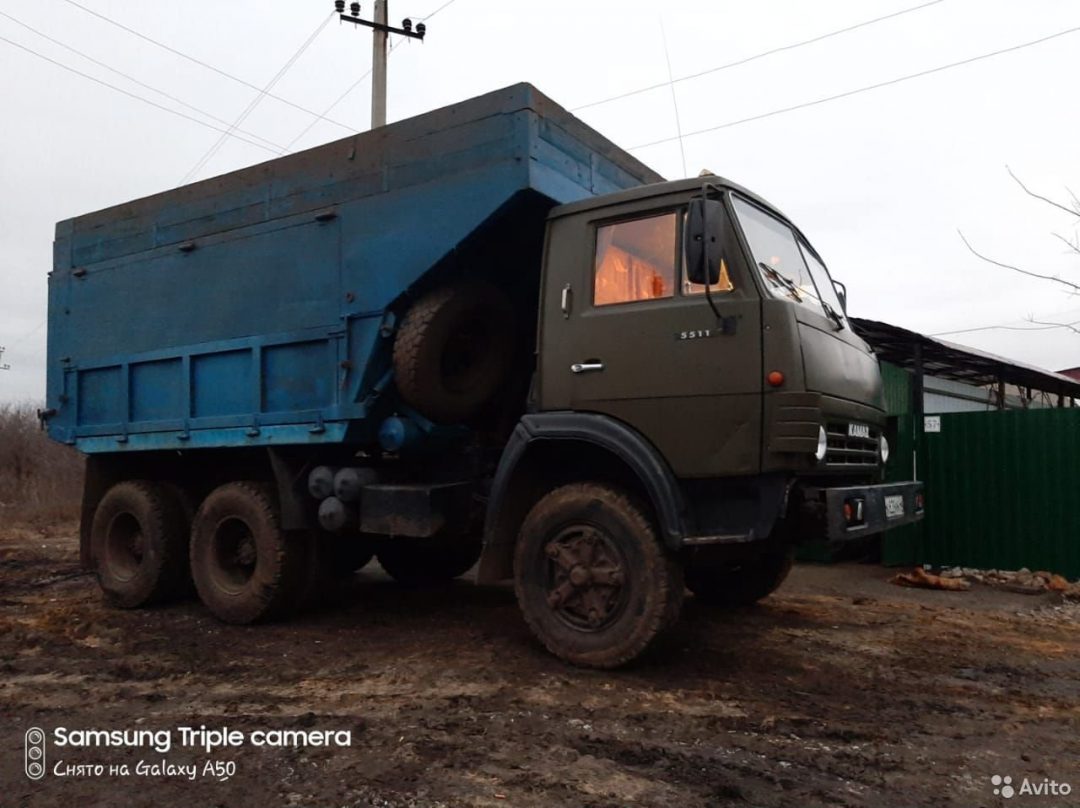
635 260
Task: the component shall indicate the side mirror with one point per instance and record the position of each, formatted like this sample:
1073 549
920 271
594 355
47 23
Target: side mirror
705 223
841 292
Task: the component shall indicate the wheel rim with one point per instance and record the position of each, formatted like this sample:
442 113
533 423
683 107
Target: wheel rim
235 554
585 583
125 546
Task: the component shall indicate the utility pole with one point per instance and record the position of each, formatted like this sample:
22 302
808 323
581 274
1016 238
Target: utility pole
378 65
380 30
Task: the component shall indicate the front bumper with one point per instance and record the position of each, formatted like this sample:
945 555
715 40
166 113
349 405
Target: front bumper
869 508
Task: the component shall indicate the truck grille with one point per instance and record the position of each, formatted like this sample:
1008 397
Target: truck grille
842 450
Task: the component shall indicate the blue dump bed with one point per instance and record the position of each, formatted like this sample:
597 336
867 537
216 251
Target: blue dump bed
257 308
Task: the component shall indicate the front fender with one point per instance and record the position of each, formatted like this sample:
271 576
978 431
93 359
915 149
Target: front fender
515 488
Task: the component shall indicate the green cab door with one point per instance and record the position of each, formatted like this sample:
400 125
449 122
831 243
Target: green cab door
622 332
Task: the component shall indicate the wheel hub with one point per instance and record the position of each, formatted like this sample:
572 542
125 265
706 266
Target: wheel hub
585 577
125 546
235 552
245 553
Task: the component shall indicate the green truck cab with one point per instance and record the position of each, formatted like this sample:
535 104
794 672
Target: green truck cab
695 356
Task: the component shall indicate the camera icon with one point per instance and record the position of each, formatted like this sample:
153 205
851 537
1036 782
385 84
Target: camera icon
34 748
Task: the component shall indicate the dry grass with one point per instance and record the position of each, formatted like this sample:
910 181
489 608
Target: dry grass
40 480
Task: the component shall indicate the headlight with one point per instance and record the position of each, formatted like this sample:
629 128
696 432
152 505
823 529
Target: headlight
884 450
822 444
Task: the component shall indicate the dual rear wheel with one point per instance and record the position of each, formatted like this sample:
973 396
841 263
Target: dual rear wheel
149 547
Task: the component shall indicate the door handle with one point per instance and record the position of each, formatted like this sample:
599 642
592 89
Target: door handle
585 367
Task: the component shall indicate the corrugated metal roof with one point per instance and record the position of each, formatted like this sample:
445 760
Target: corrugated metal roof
948 360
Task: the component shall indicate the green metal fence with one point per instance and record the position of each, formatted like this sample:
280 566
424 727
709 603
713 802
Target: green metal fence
999 486
897 386
1002 491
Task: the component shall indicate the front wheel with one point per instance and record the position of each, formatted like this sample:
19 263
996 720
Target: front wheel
740 583
592 580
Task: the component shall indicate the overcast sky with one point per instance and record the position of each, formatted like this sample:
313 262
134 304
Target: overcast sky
880 181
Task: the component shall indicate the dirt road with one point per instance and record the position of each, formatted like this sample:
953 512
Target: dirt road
841 689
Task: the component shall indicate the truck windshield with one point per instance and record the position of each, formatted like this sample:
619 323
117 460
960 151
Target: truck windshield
789 267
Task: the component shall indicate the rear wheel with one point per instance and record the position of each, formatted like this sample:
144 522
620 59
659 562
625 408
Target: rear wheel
139 544
245 567
428 562
591 578
740 583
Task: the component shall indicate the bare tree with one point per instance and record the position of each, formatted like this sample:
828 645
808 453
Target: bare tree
1073 209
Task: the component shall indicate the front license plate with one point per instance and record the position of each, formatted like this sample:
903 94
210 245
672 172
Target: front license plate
894 506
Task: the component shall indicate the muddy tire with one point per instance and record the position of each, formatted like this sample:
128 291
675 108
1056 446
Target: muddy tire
740 584
139 544
428 562
245 567
453 351
592 579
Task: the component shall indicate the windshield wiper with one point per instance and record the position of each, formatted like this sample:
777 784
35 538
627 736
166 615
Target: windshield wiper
796 292
836 318
783 280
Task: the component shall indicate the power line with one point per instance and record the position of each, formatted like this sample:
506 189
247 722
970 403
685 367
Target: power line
103 83
214 149
27 335
199 62
674 96
1004 328
756 56
339 99
440 8
868 88
131 78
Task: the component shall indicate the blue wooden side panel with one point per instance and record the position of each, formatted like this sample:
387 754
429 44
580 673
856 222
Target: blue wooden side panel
250 309
280 276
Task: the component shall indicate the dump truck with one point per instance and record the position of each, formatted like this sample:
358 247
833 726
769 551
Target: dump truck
482 334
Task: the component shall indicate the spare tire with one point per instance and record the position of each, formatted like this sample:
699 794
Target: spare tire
453 351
